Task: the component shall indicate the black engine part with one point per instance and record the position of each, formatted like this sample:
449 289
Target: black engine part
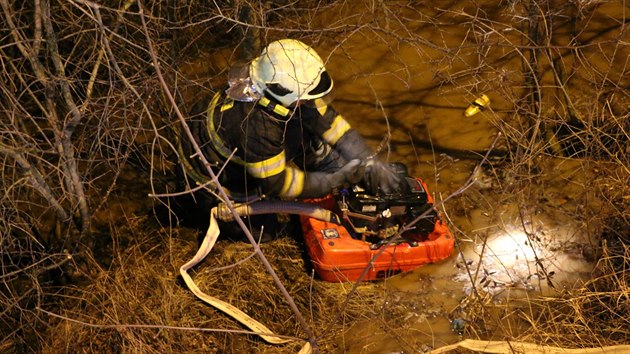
376 217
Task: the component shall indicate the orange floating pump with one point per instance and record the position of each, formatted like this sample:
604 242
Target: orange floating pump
373 236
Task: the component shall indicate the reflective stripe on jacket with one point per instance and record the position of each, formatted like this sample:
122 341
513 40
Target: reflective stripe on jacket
268 147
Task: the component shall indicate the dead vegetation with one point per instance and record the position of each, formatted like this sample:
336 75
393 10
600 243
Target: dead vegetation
86 133
140 305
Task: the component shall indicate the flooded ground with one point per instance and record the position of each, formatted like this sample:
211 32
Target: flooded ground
511 253
513 242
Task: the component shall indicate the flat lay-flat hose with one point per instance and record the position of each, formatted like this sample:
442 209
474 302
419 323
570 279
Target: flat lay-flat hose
509 347
210 239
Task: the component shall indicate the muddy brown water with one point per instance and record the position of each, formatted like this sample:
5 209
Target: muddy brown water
509 246
495 254
510 266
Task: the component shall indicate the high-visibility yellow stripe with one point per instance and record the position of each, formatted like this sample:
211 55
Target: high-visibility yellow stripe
321 106
267 168
261 169
215 139
264 101
281 110
293 183
337 129
229 104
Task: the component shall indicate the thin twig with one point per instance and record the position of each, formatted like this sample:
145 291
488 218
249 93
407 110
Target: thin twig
158 327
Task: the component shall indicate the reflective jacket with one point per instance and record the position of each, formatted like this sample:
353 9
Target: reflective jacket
269 147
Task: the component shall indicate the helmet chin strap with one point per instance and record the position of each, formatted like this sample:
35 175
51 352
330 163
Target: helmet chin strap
274 107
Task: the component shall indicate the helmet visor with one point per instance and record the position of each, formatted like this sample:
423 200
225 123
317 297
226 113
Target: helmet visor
323 86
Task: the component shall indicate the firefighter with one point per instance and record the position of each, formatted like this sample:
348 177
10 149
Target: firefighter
280 136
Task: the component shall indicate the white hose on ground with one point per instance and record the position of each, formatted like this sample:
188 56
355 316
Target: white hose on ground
509 347
212 234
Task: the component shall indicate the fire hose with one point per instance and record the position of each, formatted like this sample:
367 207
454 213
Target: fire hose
224 213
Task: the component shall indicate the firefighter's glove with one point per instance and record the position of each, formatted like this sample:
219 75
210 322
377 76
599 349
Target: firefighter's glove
379 178
349 174
320 184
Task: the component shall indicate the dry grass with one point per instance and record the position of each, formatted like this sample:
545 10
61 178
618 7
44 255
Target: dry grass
139 304
593 315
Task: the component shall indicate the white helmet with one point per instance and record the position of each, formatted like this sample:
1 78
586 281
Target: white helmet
289 71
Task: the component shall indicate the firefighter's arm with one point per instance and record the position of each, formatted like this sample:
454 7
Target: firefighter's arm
291 182
351 145
266 162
